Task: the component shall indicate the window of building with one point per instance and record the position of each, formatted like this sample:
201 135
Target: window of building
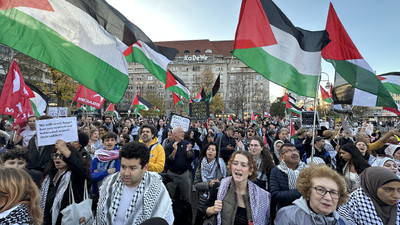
196 68
258 77
208 51
197 51
186 51
150 78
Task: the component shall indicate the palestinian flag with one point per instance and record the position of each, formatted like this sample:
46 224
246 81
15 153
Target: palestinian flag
201 96
285 99
270 44
112 111
91 37
156 109
178 101
325 96
253 119
290 103
391 81
83 108
214 90
140 103
351 66
230 118
175 84
38 101
292 130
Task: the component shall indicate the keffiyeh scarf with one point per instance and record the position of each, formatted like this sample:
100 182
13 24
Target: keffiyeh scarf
62 187
292 174
17 215
106 155
150 200
209 169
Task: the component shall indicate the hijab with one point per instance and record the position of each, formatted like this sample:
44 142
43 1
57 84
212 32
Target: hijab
372 179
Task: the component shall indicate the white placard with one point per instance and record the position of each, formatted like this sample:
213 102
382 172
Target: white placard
49 131
180 121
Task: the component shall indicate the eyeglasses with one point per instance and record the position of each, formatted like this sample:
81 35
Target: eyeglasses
322 191
290 151
57 155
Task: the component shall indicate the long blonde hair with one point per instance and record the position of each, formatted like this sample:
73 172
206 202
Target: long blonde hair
17 187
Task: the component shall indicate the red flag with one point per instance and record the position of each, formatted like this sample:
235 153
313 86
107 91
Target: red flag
230 118
286 100
110 108
292 130
92 98
15 96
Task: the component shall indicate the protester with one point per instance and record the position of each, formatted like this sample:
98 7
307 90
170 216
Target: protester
67 168
320 151
133 195
94 142
210 170
123 139
162 130
83 140
147 134
227 144
265 163
393 151
169 139
387 163
322 191
26 135
125 130
283 176
351 164
363 147
238 200
376 201
19 198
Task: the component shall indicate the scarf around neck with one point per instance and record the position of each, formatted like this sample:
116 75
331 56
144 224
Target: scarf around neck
62 187
372 179
106 155
17 215
209 169
292 174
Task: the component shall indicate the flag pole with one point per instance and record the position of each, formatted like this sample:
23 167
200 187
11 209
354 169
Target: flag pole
315 118
86 107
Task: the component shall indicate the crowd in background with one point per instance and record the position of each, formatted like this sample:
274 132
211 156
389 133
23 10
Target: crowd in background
239 171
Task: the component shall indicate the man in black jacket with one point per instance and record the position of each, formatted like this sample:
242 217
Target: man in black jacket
227 144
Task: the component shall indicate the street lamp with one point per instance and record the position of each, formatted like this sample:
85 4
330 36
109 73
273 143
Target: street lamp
328 84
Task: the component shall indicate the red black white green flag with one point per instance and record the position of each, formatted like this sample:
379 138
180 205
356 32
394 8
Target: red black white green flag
140 103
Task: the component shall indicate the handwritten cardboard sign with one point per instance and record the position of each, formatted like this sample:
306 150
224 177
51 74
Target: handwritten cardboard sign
49 131
179 121
199 110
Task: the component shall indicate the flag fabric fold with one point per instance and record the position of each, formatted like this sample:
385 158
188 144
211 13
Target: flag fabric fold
86 96
140 103
342 53
270 44
175 84
111 109
267 114
39 101
156 109
201 96
178 101
391 81
14 99
324 95
91 37
214 90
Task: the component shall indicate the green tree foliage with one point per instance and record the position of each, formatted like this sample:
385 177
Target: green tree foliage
278 108
154 101
216 104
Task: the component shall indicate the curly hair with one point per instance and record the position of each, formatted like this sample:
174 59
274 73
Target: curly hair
150 126
17 186
135 150
252 163
306 176
15 153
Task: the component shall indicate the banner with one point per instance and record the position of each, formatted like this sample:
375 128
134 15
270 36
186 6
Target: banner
199 110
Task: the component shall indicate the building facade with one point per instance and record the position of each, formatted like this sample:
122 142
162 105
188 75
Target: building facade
202 61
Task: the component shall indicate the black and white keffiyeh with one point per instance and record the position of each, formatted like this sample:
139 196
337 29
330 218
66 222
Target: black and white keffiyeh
292 174
360 209
17 215
151 199
209 169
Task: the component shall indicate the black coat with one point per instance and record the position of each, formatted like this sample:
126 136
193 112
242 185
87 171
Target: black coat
279 189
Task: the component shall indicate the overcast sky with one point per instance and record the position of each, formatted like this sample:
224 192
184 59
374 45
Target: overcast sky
373 25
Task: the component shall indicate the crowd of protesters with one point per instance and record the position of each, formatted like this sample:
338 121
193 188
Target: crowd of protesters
267 171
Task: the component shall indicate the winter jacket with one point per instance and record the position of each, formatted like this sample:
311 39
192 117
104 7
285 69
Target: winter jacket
157 156
300 213
279 189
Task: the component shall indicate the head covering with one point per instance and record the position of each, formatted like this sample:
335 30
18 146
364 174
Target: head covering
372 179
391 149
7 123
381 161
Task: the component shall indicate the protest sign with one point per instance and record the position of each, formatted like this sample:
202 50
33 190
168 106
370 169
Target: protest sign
199 110
307 120
179 121
56 112
49 131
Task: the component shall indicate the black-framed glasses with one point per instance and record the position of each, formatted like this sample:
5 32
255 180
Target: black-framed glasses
322 191
57 155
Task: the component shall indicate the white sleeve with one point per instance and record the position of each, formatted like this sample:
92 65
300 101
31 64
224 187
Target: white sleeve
170 216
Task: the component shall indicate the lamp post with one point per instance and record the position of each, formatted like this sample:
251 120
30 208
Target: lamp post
328 84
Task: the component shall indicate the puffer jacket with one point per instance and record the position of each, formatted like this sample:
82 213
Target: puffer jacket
300 213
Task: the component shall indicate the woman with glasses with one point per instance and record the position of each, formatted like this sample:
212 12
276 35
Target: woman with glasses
19 198
66 168
376 201
322 191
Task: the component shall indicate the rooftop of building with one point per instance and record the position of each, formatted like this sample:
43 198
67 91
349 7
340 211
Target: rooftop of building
204 46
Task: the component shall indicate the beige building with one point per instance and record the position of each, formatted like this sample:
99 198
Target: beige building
242 89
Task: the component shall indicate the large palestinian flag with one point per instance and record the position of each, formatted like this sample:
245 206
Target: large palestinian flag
271 45
140 103
84 39
391 81
362 85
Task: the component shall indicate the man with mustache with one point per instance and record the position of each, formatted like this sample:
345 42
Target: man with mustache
283 176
